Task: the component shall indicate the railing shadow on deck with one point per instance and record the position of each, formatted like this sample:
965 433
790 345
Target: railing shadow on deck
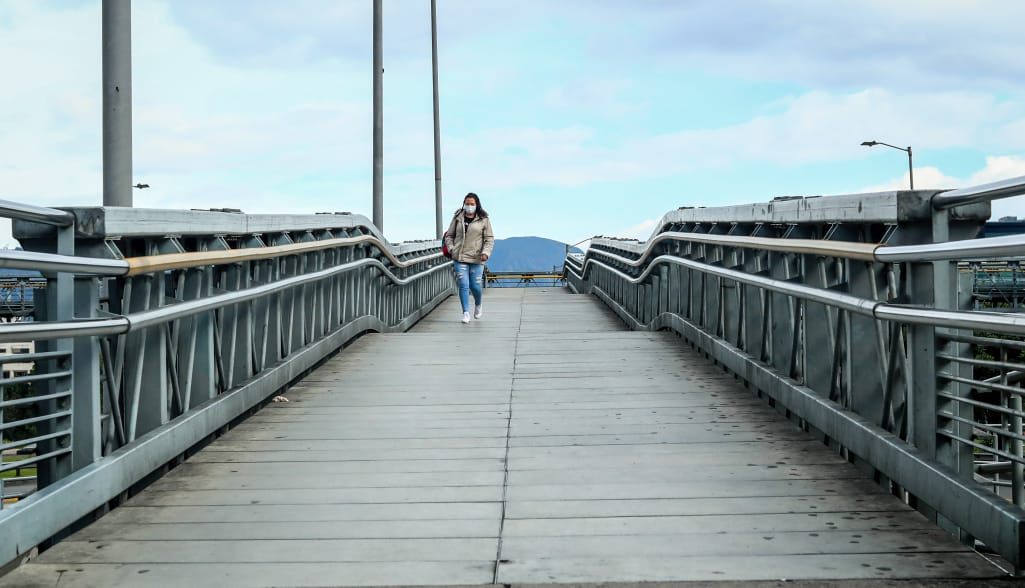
849 315
157 329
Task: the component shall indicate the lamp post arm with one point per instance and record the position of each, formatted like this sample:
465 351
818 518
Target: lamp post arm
906 150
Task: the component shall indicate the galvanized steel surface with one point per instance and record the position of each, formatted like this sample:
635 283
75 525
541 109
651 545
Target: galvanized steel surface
801 322
540 444
984 193
38 214
209 333
49 262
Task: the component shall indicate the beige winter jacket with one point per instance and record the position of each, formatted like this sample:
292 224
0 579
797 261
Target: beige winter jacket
468 242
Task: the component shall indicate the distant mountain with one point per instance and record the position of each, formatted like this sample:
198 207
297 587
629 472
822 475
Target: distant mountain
527 254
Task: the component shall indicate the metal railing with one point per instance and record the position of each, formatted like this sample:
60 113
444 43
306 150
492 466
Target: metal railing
525 279
141 357
858 327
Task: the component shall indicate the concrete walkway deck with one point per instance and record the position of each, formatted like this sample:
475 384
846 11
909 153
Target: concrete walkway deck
541 444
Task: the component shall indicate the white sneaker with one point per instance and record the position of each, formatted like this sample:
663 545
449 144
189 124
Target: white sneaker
466 317
478 311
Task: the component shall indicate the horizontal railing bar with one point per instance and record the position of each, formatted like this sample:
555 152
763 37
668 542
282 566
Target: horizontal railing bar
978 404
5 426
982 384
124 324
33 399
982 193
35 377
161 315
993 482
836 299
846 249
974 361
172 261
32 331
993 341
39 214
972 443
1012 378
984 427
1005 246
891 312
992 467
40 438
39 356
20 464
50 262
992 321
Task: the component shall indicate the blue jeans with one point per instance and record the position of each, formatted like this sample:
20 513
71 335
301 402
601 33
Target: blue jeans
469 277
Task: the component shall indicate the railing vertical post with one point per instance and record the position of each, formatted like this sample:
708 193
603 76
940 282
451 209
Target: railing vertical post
781 327
866 386
57 302
85 381
664 288
146 359
922 366
651 297
953 453
818 336
203 373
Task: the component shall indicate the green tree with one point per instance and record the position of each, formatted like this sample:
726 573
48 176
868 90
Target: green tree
20 412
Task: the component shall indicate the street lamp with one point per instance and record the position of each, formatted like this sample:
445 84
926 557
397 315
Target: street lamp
437 122
570 247
911 173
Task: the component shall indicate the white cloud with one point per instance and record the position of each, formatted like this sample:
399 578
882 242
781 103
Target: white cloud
844 44
601 96
997 168
263 108
814 127
640 231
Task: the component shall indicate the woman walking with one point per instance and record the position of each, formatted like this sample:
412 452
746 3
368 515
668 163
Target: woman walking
470 240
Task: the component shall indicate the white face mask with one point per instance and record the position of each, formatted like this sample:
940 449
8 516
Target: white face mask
469 208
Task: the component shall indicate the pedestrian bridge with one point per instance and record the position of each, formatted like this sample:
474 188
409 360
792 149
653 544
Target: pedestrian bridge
779 391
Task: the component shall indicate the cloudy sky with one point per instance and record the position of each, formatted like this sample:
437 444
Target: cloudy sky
569 118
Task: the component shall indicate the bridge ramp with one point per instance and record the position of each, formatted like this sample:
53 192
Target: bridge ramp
543 443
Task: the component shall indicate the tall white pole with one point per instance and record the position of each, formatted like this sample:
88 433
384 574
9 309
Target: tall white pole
378 122
437 122
117 102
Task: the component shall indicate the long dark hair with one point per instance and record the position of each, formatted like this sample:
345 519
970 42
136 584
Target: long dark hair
480 209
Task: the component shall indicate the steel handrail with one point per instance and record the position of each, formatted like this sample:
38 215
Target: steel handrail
983 193
39 214
22 331
880 310
172 261
154 263
989 247
1006 246
50 262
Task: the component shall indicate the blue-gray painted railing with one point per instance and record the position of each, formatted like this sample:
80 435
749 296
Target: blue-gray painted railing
849 314
157 329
